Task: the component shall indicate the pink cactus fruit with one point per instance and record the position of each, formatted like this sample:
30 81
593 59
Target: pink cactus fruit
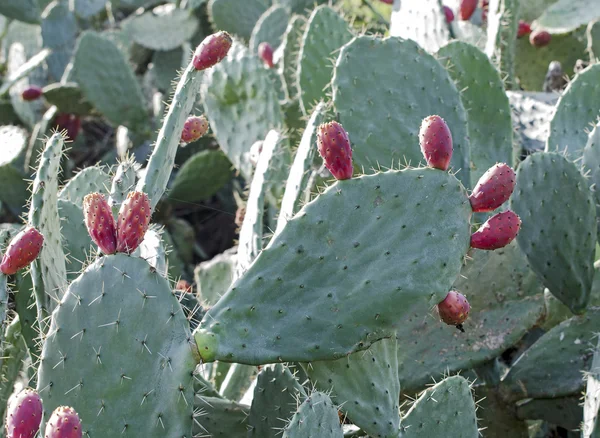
435 140
466 9
265 52
387 2
183 286
524 29
194 128
133 221
454 309
497 232
212 50
540 38
64 423
493 189
449 14
70 123
22 250
24 414
334 148
100 222
33 92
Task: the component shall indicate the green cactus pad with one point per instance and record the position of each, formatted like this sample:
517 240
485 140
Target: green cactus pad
502 28
22 10
88 8
200 177
14 144
68 98
40 132
238 18
275 400
241 105
120 305
351 226
591 407
567 15
165 67
488 108
108 82
214 277
446 409
325 33
89 180
76 240
270 27
12 355
593 39
202 387
316 416
292 39
152 250
543 372
506 301
123 182
496 417
164 28
366 386
59 32
18 67
383 123
216 417
21 70
422 21
575 111
551 192
565 412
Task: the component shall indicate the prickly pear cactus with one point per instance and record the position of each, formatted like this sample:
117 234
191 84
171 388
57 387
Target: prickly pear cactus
316 416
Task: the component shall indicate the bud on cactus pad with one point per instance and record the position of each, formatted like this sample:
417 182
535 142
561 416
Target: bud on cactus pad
497 232
212 50
23 415
540 38
435 139
449 14
33 92
454 309
22 250
265 52
194 128
493 189
100 222
183 286
64 423
466 9
524 29
334 147
133 221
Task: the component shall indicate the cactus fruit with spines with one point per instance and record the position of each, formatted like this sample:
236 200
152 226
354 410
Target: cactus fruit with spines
64 423
100 222
497 232
24 415
194 128
21 251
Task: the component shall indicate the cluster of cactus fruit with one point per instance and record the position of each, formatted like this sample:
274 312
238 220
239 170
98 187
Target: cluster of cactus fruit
355 249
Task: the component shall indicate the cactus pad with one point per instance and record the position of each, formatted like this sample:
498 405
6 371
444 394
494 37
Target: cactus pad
422 21
316 416
270 27
567 15
216 417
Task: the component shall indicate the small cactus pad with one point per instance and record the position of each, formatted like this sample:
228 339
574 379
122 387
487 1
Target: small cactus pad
216 417
23 249
352 227
422 21
316 416
24 415
133 221
64 423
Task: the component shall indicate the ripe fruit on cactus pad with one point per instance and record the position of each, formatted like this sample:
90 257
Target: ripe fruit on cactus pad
24 414
497 232
334 147
540 38
435 140
454 309
524 29
194 128
100 222
493 189
64 423
133 221
449 14
265 52
466 9
33 92
22 250
212 50
70 123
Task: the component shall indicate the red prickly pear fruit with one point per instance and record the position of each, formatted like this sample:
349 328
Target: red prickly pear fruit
334 148
524 29
22 250
493 189
466 9
33 92
387 2
24 414
265 52
212 50
64 423
449 14
497 232
133 221
435 140
183 286
540 38
70 123
194 128
100 222
454 309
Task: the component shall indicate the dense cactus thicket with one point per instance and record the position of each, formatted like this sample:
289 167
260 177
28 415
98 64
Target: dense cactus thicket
299 218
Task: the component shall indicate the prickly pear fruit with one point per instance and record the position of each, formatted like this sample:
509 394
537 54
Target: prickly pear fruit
387 2
33 92
100 222
540 38
524 29
64 423
435 139
449 14
70 123
212 50
133 221
466 9
265 52
497 232
194 128
22 250
493 189
183 286
24 414
454 309
334 147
